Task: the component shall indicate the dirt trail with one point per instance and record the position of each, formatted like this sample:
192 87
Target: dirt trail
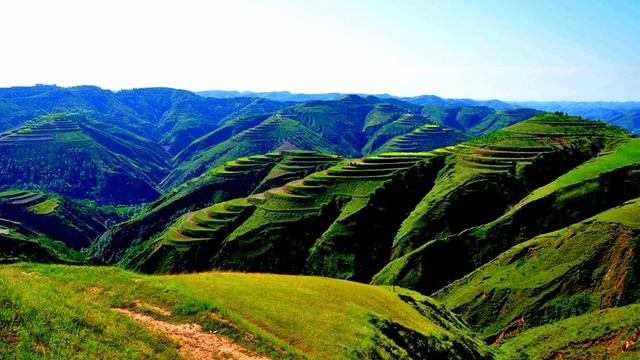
194 342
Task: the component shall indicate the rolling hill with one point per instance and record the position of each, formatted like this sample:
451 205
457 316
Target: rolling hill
122 314
69 154
237 178
76 224
421 196
168 136
350 126
440 228
553 276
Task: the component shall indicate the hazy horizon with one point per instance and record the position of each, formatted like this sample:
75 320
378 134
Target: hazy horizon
511 51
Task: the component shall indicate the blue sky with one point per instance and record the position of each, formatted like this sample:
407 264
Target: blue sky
511 50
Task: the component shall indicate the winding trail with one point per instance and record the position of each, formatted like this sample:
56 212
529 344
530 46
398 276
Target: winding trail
194 343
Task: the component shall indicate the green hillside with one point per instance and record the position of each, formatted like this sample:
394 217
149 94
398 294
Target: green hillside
424 138
351 126
602 334
523 226
65 153
597 185
326 223
259 232
72 222
274 134
21 243
475 120
282 317
569 272
236 178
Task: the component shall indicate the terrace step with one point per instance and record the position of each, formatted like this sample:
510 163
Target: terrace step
283 194
298 187
28 201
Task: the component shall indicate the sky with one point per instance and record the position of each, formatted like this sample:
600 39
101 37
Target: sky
483 49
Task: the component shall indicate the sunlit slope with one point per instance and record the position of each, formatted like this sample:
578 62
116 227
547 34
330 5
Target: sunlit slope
293 228
282 317
424 138
603 334
276 133
475 120
586 266
351 126
597 185
236 178
350 220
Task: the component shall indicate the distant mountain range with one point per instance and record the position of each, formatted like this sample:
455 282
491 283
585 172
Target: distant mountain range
288 96
623 114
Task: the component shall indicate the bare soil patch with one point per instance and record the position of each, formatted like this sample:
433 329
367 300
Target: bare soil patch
193 341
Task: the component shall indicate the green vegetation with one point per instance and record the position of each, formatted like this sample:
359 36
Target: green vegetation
75 223
314 213
553 276
603 334
485 179
236 178
280 316
274 134
20 243
524 224
45 207
64 153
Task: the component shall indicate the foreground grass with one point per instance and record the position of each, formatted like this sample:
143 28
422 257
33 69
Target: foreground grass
57 311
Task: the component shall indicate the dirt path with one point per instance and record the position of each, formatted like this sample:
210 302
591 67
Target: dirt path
194 342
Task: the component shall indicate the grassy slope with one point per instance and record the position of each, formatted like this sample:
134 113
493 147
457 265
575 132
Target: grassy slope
76 223
64 153
602 334
467 177
467 195
237 178
327 218
554 276
319 225
20 243
274 133
301 316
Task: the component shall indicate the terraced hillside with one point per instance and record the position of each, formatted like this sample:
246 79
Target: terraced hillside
21 243
480 184
122 314
180 117
476 120
65 153
402 124
424 138
351 220
168 117
74 223
351 126
290 218
276 133
236 178
145 128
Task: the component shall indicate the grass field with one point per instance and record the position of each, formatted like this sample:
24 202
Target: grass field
602 334
55 311
45 207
